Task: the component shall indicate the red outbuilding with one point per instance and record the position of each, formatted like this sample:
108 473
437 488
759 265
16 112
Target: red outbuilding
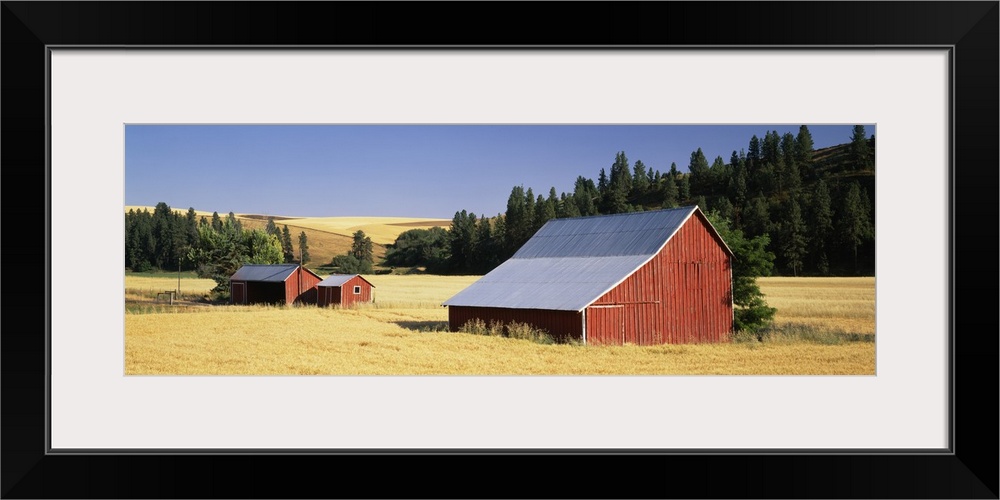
344 290
273 284
642 278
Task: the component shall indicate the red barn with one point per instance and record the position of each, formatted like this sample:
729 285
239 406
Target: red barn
273 284
344 290
641 278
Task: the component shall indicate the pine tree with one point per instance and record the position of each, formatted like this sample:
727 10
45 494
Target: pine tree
753 155
585 195
303 248
140 244
793 235
619 186
618 202
545 210
684 189
460 241
286 245
736 165
778 175
821 223
640 180
792 180
738 186
361 247
770 148
161 234
271 227
702 204
718 176
756 219
621 175
723 207
499 238
567 207
789 149
855 223
191 228
602 184
529 216
484 255
216 221
699 173
516 221
765 180
754 164
804 146
670 192
859 150
236 224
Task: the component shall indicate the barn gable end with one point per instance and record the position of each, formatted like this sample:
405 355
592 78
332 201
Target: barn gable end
344 290
643 278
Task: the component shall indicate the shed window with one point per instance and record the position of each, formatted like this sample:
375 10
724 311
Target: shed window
357 289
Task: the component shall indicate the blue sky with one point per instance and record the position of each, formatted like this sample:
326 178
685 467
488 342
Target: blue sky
403 170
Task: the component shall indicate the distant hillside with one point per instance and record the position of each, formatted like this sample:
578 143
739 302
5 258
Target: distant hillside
327 236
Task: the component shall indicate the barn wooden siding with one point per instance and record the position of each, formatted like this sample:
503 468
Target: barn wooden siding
683 295
344 294
306 293
559 324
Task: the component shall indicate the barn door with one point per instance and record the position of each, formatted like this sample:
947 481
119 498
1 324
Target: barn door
239 293
606 325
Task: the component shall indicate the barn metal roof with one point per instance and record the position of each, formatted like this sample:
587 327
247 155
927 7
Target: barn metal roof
570 263
266 272
340 279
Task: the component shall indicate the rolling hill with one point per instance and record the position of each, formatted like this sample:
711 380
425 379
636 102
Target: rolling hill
328 236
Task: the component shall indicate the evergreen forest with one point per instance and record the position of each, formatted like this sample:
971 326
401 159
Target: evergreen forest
814 208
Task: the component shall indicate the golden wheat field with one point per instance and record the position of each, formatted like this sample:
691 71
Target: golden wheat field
843 303
402 333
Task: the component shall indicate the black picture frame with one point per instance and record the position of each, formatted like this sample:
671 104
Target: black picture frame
970 470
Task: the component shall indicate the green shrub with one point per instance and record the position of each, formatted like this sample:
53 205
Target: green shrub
524 331
495 329
513 330
474 326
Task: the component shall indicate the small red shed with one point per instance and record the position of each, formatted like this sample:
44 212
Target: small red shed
273 284
343 290
643 278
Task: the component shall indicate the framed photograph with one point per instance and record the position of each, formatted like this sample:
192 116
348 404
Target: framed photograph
79 88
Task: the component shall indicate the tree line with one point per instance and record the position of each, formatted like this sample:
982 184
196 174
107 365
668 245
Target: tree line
817 216
167 240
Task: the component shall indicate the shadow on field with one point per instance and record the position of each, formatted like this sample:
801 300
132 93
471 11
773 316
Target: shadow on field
424 326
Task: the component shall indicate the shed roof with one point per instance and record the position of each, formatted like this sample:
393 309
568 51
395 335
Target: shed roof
339 279
266 272
570 263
